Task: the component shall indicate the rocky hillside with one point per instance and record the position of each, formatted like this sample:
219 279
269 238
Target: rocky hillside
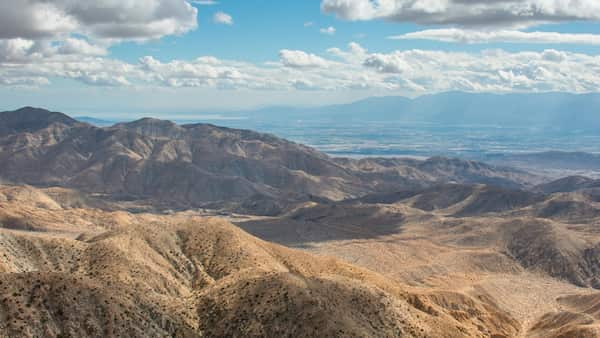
85 272
535 256
166 165
569 184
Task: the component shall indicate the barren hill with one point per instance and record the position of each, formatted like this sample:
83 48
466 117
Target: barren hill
502 245
569 184
182 275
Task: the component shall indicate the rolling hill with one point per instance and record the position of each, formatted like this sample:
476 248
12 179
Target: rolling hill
183 275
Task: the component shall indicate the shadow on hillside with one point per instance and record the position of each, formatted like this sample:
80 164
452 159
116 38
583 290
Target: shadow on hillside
300 232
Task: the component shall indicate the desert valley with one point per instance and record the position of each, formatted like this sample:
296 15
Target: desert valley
150 228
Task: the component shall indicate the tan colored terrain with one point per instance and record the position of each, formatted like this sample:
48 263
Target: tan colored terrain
119 242
85 272
534 266
81 271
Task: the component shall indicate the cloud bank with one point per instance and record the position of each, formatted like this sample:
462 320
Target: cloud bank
42 40
102 19
353 68
466 13
511 36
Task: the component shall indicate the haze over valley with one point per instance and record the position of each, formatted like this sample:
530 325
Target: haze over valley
498 128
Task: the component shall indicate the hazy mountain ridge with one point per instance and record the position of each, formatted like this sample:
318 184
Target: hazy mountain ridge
501 129
553 110
194 165
569 184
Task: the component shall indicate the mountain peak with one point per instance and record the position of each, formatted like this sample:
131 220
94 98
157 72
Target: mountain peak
152 127
29 112
29 119
150 120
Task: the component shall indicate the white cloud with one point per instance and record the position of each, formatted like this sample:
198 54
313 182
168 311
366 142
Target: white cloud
102 19
223 18
103 79
24 81
512 36
45 31
491 13
355 53
491 70
308 24
29 63
304 85
329 30
204 2
15 49
300 59
24 51
34 19
79 46
205 71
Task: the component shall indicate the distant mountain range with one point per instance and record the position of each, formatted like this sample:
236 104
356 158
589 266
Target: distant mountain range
552 111
556 111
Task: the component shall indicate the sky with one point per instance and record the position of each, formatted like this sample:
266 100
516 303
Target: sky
114 57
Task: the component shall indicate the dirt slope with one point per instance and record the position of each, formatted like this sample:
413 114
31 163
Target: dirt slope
182 275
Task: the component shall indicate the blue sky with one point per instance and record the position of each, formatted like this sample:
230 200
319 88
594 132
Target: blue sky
263 27
180 56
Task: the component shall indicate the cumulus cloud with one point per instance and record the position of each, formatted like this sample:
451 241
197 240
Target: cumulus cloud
479 13
107 19
29 19
90 70
328 30
300 59
350 68
355 53
491 70
205 71
23 50
41 39
205 2
223 18
79 46
512 36
47 38
15 49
